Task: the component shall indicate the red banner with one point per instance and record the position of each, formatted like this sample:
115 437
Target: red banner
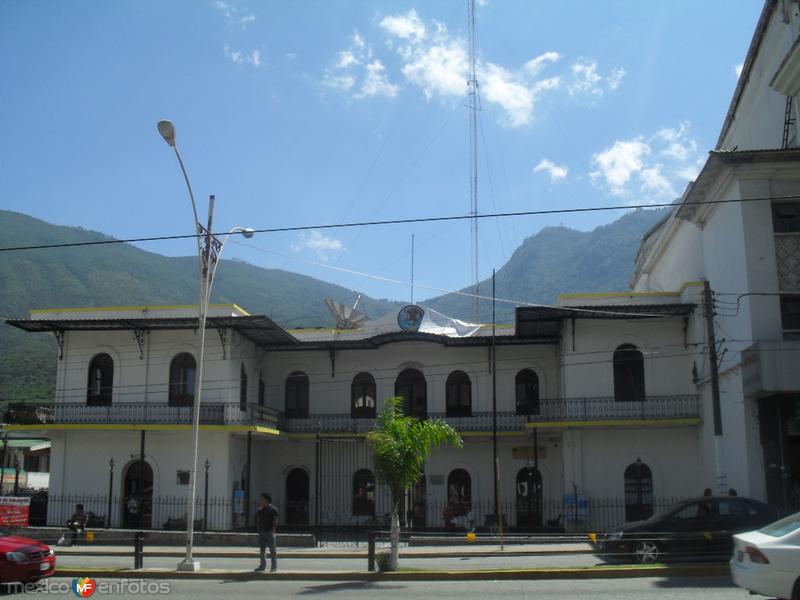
14 512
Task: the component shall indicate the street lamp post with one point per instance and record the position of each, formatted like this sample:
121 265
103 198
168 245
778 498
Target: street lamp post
205 499
209 250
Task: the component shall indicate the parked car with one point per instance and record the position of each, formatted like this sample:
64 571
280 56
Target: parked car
767 561
697 527
23 559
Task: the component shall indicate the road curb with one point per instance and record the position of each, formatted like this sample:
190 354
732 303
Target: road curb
600 572
362 555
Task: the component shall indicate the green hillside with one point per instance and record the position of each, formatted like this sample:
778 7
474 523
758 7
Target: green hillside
123 275
558 260
555 260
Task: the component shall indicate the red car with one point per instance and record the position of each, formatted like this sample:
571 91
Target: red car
23 559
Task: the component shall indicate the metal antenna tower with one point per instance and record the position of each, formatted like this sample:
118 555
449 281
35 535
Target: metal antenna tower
473 106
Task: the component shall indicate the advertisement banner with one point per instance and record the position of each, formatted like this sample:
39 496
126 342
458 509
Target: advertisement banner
14 512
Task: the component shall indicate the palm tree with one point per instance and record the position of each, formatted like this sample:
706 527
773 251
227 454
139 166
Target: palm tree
401 445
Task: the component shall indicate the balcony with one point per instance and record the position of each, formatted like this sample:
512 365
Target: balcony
551 411
140 413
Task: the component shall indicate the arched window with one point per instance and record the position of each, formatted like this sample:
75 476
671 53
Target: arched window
297 395
362 397
101 380
412 387
182 372
261 389
638 492
527 392
459 492
459 395
363 493
242 388
628 374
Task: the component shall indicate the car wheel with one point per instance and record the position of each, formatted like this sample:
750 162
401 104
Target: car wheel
646 552
796 590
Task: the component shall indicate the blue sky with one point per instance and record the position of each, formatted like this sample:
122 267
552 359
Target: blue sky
314 112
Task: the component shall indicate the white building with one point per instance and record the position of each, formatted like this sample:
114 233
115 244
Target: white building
605 391
738 226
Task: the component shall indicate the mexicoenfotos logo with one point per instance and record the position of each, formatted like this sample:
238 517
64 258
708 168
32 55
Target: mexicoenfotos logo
84 587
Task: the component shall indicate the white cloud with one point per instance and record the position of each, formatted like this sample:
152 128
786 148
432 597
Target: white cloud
649 169
254 58
617 164
439 69
235 15
738 70
535 65
324 247
436 62
239 57
357 63
376 82
655 184
556 172
615 79
408 26
587 81
234 55
346 59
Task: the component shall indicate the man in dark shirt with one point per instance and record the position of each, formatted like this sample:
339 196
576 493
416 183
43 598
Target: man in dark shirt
76 523
266 524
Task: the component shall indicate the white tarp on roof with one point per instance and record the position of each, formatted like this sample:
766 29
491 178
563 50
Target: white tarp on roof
432 322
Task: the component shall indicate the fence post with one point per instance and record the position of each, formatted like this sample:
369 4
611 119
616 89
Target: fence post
371 551
138 549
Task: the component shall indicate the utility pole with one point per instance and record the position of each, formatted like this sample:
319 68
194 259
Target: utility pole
494 406
719 458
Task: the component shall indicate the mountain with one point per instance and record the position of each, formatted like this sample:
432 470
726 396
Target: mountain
558 260
555 260
124 275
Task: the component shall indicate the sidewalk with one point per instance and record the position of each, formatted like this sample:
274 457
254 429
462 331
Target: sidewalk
88 549
600 572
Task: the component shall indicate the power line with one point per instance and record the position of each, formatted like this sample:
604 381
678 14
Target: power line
525 213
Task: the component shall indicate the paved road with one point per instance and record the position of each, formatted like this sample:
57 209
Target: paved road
711 588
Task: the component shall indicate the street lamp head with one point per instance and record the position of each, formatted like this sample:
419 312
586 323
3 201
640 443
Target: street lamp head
167 130
247 232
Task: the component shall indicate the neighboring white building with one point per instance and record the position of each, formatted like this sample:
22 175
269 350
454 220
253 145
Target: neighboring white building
738 226
606 392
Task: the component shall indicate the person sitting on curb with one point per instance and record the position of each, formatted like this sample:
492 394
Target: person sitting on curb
266 525
76 523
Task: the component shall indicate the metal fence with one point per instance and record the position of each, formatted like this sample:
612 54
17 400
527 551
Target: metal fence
548 515
231 413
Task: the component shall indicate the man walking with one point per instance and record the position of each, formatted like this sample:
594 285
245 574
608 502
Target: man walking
266 524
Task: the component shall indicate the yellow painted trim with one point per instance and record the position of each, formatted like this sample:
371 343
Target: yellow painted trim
489 433
138 427
618 423
630 294
617 295
85 309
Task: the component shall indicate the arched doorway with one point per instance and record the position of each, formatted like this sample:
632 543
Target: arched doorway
137 511
297 497
638 492
529 497
459 497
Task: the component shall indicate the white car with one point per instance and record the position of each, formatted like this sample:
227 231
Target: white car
767 561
